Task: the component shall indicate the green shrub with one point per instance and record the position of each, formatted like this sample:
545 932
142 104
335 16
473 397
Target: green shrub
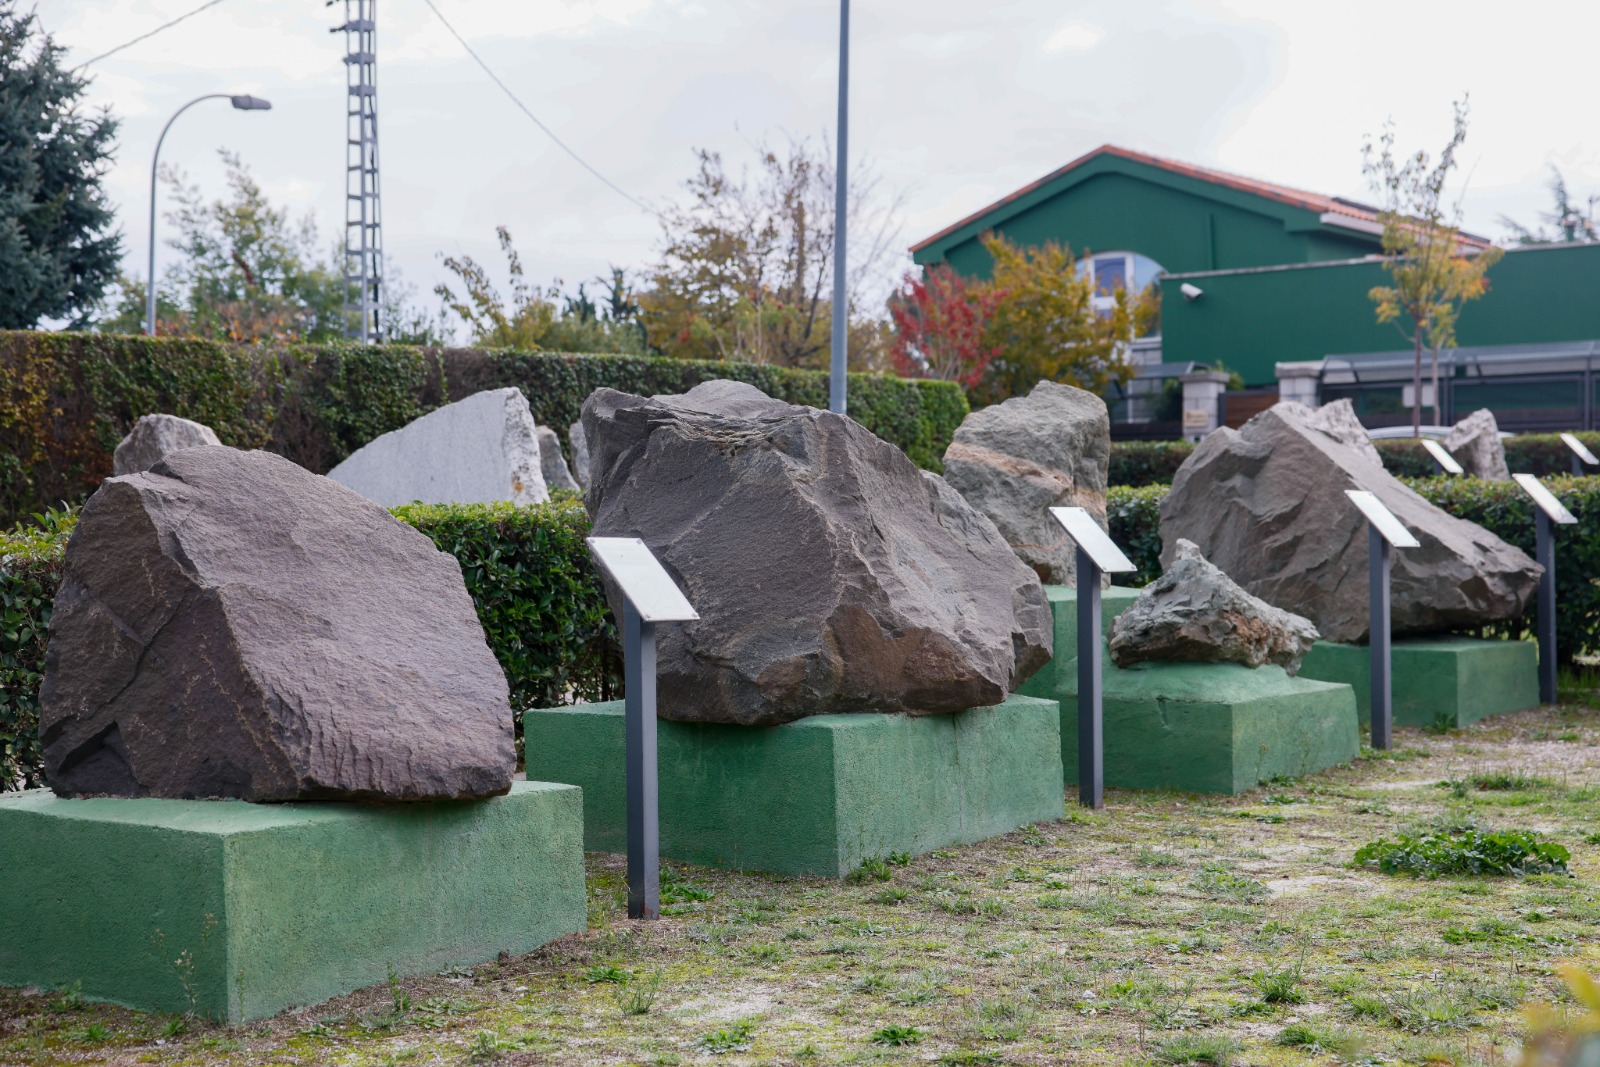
66 399
1140 463
1134 518
1465 851
30 571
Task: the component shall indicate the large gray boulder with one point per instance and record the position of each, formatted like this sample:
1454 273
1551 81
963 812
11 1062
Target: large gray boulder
155 437
1266 503
1194 613
1475 442
552 464
830 574
1016 460
580 453
231 625
480 450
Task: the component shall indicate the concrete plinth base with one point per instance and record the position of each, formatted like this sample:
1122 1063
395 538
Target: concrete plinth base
815 796
1198 727
238 911
1448 681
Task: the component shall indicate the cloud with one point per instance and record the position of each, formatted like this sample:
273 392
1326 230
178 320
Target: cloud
1074 37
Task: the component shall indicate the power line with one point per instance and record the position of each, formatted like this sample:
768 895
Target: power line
548 132
152 33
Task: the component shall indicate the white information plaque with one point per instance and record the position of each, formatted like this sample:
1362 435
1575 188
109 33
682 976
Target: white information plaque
646 584
1382 519
1581 449
1443 458
1545 499
1082 528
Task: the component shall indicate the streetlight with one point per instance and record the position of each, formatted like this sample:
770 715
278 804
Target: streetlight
838 362
241 102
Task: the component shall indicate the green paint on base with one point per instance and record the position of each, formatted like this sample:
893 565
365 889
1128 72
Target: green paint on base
1198 727
1436 681
816 796
237 911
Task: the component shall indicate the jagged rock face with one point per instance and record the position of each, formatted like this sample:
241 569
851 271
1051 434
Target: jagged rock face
580 453
1267 504
1194 613
231 625
1339 421
154 438
1016 460
480 450
830 574
1475 442
552 464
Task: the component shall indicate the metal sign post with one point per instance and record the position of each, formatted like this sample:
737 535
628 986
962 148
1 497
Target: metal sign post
649 596
1097 555
1384 532
1548 513
1581 456
1442 459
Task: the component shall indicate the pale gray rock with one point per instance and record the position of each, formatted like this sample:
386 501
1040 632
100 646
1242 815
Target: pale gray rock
830 574
1016 460
1339 421
480 450
580 453
1476 444
1194 613
231 625
1266 503
552 464
154 437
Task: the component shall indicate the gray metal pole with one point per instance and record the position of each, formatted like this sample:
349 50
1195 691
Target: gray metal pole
841 201
1091 757
1378 636
1577 466
155 164
1545 549
644 833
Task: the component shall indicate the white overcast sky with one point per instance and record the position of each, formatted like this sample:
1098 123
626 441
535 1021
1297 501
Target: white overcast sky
956 103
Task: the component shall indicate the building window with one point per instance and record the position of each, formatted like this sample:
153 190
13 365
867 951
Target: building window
1118 270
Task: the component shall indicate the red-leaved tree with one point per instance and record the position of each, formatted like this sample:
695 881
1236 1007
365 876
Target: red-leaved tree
940 322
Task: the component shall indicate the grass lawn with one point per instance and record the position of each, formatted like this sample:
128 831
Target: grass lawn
1166 929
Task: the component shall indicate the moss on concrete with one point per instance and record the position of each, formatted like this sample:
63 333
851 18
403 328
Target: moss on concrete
1437 681
816 796
236 911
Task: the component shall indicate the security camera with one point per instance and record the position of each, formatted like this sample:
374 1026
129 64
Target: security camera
1191 292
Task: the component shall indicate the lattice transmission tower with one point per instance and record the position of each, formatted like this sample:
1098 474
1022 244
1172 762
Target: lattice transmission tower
363 213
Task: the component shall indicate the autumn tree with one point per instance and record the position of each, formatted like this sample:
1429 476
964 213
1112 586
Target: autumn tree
1432 270
941 326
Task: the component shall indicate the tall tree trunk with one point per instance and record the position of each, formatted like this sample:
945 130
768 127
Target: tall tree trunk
1416 384
1438 400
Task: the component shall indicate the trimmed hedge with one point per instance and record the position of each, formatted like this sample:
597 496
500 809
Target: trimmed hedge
66 399
1502 508
528 570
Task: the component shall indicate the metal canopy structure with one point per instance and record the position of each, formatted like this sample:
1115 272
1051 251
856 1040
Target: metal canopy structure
363 214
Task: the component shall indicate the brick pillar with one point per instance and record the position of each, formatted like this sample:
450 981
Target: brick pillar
1202 402
1301 381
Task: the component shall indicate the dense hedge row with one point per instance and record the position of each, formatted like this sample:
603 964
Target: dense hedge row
1136 463
1500 507
66 399
538 596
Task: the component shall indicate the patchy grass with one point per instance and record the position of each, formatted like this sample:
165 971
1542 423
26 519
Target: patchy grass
1165 929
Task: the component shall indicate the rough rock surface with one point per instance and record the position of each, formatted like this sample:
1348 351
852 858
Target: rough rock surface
1015 460
830 574
479 450
231 625
1266 503
580 453
1339 421
1475 442
154 437
552 464
1194 613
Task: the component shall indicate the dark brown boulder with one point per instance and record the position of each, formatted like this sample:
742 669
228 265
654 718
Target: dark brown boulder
830 574
231 625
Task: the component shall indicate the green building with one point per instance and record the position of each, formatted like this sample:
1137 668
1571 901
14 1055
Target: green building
1272 283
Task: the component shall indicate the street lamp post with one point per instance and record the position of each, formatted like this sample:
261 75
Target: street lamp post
838 363
241 102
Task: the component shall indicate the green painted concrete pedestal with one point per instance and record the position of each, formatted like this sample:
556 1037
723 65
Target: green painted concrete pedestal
1197 727
1447 680
238 911
816 796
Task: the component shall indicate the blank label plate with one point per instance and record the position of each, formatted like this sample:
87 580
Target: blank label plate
1581 449
1082 528
1383 519
1545 499
646 584
1444 459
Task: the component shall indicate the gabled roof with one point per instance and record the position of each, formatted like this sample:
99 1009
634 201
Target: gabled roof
1333 210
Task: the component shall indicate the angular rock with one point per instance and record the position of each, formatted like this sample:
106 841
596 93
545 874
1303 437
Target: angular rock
231 625
1194 613
1266 503
580 453
480 450
154 437
1475 442
830 574
1339 421
1015 460
552 464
